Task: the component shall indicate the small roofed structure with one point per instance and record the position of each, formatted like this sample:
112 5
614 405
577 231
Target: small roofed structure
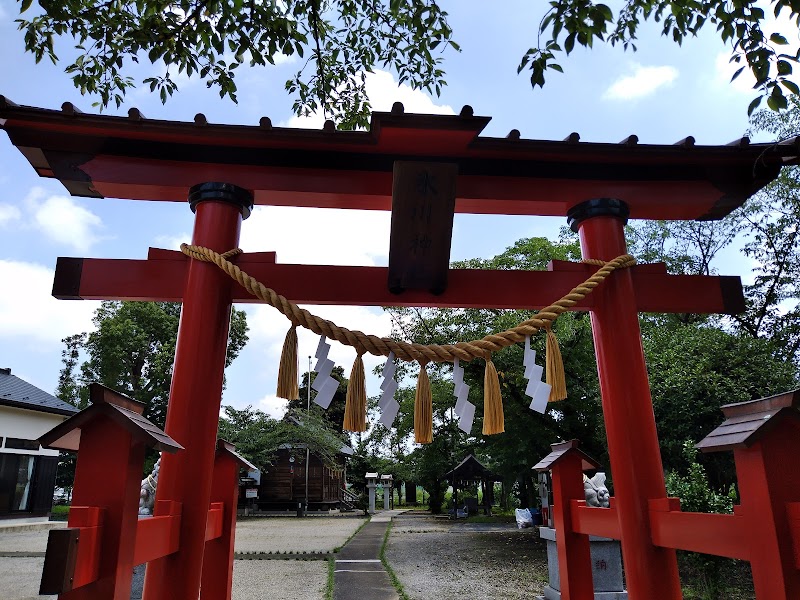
468 472
747 422
124 411
561 450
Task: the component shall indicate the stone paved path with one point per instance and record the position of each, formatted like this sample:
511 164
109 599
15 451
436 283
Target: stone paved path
359 573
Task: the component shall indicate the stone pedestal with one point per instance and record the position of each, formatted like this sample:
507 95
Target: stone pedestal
606 568
371 488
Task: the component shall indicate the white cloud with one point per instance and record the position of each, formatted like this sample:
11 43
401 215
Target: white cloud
30 314
272 405
63 220
383 91
725 69
318 235
172 242
643 82
9 213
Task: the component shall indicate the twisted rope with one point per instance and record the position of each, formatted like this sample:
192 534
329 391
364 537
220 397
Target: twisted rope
423 353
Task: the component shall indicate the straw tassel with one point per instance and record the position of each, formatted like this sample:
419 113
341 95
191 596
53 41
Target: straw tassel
554 368
355 407
493 420
423 409
287 370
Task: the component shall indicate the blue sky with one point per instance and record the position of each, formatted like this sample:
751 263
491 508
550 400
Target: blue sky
662 94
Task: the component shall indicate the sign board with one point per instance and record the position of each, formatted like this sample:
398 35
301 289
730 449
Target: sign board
251 493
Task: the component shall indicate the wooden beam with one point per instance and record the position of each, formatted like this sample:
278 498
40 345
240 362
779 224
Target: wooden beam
588 520
163 280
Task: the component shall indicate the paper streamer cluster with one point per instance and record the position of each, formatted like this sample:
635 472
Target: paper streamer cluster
537 390
324 384
388 405
465 410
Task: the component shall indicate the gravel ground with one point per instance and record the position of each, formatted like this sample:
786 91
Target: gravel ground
442 559
284 534
279 579
19 578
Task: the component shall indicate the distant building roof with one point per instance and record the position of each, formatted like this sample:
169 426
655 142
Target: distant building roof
471 469
19 393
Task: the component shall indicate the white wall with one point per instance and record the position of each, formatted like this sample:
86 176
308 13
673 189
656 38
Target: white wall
26 424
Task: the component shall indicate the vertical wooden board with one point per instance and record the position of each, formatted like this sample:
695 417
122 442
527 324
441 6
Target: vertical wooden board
423 203
59 561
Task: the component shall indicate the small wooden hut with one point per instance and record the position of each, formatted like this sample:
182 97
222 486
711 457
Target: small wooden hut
471 473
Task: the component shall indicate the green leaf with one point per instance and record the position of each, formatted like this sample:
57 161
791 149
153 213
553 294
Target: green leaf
777 38
754 105
26 4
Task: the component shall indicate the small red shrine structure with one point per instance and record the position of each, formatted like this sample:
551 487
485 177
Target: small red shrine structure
223 170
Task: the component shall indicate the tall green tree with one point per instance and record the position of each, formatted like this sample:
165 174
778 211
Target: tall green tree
132 351
342 40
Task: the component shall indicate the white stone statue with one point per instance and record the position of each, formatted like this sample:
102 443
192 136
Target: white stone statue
596 491
147 493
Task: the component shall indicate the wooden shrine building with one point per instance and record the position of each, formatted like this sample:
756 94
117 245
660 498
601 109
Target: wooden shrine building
471 474
283 484
424 168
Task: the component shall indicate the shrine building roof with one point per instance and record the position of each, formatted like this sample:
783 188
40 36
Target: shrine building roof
148 159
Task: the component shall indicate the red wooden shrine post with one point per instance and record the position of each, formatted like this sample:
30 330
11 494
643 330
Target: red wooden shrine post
567 464
196 391
651 572
93 558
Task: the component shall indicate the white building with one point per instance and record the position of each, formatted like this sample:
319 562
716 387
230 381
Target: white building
27 471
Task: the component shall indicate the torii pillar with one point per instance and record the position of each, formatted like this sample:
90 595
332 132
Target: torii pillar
651 572
196 391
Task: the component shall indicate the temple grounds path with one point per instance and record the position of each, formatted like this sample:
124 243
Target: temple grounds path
22 557
432 558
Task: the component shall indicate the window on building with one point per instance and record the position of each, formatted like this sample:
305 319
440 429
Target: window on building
16 477
21 444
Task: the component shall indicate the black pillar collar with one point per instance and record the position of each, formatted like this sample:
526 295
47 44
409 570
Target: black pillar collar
221 192
597 207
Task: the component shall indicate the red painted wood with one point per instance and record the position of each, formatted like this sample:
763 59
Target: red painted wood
156 537
217 579
651 572
769 480
163 280
214 522
574 555
194 404
720 535
108 476
793 515
602 522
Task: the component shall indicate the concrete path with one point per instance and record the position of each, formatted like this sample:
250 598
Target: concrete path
359 574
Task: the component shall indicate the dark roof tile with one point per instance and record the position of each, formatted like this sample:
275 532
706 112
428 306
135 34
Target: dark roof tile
21 394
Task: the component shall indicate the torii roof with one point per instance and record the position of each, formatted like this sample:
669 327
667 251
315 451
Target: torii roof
143 159
561 450
747 422
124 411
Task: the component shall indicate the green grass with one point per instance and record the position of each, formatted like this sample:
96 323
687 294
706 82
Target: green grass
60 512
492 519
329 586
360 527
395 581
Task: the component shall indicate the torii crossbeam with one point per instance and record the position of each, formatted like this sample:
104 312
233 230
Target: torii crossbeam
137 158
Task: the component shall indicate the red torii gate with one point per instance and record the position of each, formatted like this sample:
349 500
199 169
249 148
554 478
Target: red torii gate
141 159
